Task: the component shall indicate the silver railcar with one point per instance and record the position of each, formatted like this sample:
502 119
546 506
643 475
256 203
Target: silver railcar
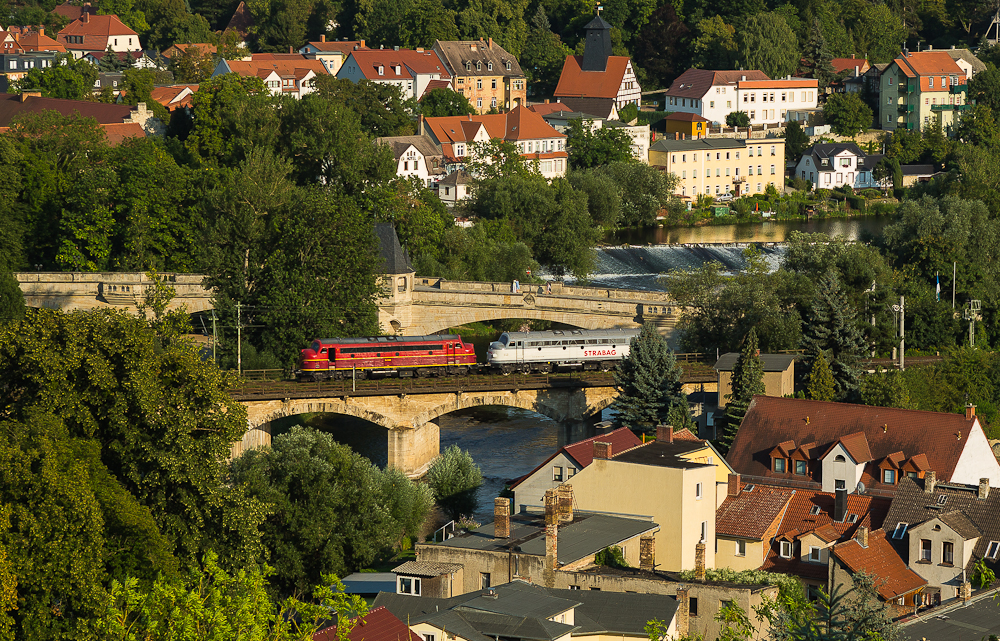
559 350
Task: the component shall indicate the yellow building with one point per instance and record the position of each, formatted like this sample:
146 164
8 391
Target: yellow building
919 88
688 125
717 166
673 481
747 522
485 73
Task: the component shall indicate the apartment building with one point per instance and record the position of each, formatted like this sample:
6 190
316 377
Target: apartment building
715 94
919 88
719 166
485 73
410 70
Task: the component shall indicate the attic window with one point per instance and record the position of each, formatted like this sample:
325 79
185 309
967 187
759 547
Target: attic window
749 488
785 549
508 65
489 66
852 518
941 500
900 531
479 65
468 66
814 510
839 459
993 549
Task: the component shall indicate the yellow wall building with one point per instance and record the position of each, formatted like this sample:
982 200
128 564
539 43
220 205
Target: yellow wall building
716 166
485 73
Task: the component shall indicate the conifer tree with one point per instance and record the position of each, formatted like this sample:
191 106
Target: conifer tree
831 329
821 386
747 380
817 57
649 384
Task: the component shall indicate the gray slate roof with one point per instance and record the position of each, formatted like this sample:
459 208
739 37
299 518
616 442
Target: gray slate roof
771 362
966 55
831 149
698 144
661 454
598 107
400 144
961 524
457 177
395 259
586 535
917 170
455 53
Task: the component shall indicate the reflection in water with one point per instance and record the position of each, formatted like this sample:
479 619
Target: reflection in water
776 231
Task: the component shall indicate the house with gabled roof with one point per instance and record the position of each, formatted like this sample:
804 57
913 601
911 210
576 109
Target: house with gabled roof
834 165
537 141
378 625
283 74
714 94
174 96
942 531
485 73
416 157
180 48
598 75
38 41
411 70
332 53
564 463
920 87
841 445
97 33
747 522
897 586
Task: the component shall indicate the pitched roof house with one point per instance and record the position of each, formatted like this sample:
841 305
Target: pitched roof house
715 94
839 445
378 625
174 96
416 156
918 87
597 75
180 48
485 73
779 374
869 552
332 53
283 74
97 33
535 138
833 165
38 41
13 105
410 70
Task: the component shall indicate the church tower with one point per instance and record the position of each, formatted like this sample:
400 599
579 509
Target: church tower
597 47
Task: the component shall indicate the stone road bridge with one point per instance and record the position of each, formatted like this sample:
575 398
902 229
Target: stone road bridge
411 305
407 408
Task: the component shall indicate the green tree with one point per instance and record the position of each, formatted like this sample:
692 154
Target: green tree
381 108
821 386
489 251
885 388
192 65
109 62
984 89
978 127
445 102
796 140
854 614
879 33
767 43
502 20
979 168
231 114
67 78
660 51
648 382
643 190
603 199
497 158
589 147
715 45
747 381
454 479
817 56
127 13
737 119
543 56
11 299
847 114
831 327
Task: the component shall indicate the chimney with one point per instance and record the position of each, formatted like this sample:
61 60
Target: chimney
551 530
322 38
699 561
734 485
565 494
952 46
86 15
491 44
501 518
970 411
647 553
41 31
290 49
930 47
602 450
362 44
743 78
546 101
984 488
420 128
665 433
862 536
30 94
677 135
840 505
930 481
683 611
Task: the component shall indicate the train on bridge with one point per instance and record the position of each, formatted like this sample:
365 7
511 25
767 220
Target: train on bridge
448 355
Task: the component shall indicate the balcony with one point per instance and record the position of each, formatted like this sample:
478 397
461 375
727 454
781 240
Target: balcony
739 179
963 88
905 109
909 87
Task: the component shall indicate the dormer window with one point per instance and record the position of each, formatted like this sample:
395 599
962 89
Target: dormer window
785 549
468 66
801 468
779 465
489 66
479 65
508 65
889 477
381 70
399 70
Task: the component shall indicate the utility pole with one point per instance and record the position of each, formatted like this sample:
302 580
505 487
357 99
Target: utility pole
954 274
215 337
902 333
239 340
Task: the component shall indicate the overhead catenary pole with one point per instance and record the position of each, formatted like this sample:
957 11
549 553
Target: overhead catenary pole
954 274
902 331
239 340
215 337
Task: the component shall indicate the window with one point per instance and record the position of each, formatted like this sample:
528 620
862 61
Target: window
494 102
574 587
381 70
570 472
779 463
772 146
925 550
930 82
741 548
694 173
494 83
941 500
693 606
484 580
409 585
479 83
839 459
814 554
803 462
814 510
785 549
697 491
479 103
840 484
684 158
557 473
704 530
684 174
729 104
711 104
900 530
948 553
759 172
889 476
992 549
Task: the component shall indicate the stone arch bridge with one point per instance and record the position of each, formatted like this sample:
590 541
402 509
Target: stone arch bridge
407 407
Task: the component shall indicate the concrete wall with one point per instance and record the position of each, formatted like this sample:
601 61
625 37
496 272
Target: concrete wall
70 291
726 553
666 494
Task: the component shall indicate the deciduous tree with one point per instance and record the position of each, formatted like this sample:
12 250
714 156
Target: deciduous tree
594 147
879 33
715 45
847 114
544 55
767 43
455 479
737 119
445 102
796 141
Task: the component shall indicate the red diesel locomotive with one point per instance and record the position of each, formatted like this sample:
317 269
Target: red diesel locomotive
436 355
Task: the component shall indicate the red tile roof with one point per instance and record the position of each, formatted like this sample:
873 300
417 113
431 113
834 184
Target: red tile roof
38 41
771 420
435 84
577 83
892 577
848 64
96 32
343 46
749 515
117 133
180 48
410 62
929 63
582 452
378 625
685 117
695 83
241 22
11 106
74 11
298 68
517 124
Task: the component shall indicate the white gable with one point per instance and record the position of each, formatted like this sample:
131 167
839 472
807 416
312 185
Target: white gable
977 460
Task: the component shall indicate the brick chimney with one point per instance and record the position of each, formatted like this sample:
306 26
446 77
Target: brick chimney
86 14
551 531
565 496
665 433
41 31
30 94
501 518
699 561
984 488
647 553
734 485
683 611
970 412
930 481
602 450
862 536
491 44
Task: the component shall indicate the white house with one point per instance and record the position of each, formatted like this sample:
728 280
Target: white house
410 70
597 75
283 74
97 33
715 94
332 54
416 157
833 165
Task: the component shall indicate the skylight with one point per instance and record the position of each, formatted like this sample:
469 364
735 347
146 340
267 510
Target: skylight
900 530
814 510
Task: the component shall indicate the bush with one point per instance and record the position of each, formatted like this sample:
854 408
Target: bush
611 557
801 184
454 479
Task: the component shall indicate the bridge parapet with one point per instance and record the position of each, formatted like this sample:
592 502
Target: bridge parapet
69 291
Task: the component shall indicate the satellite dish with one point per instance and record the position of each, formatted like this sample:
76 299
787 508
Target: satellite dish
861 488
